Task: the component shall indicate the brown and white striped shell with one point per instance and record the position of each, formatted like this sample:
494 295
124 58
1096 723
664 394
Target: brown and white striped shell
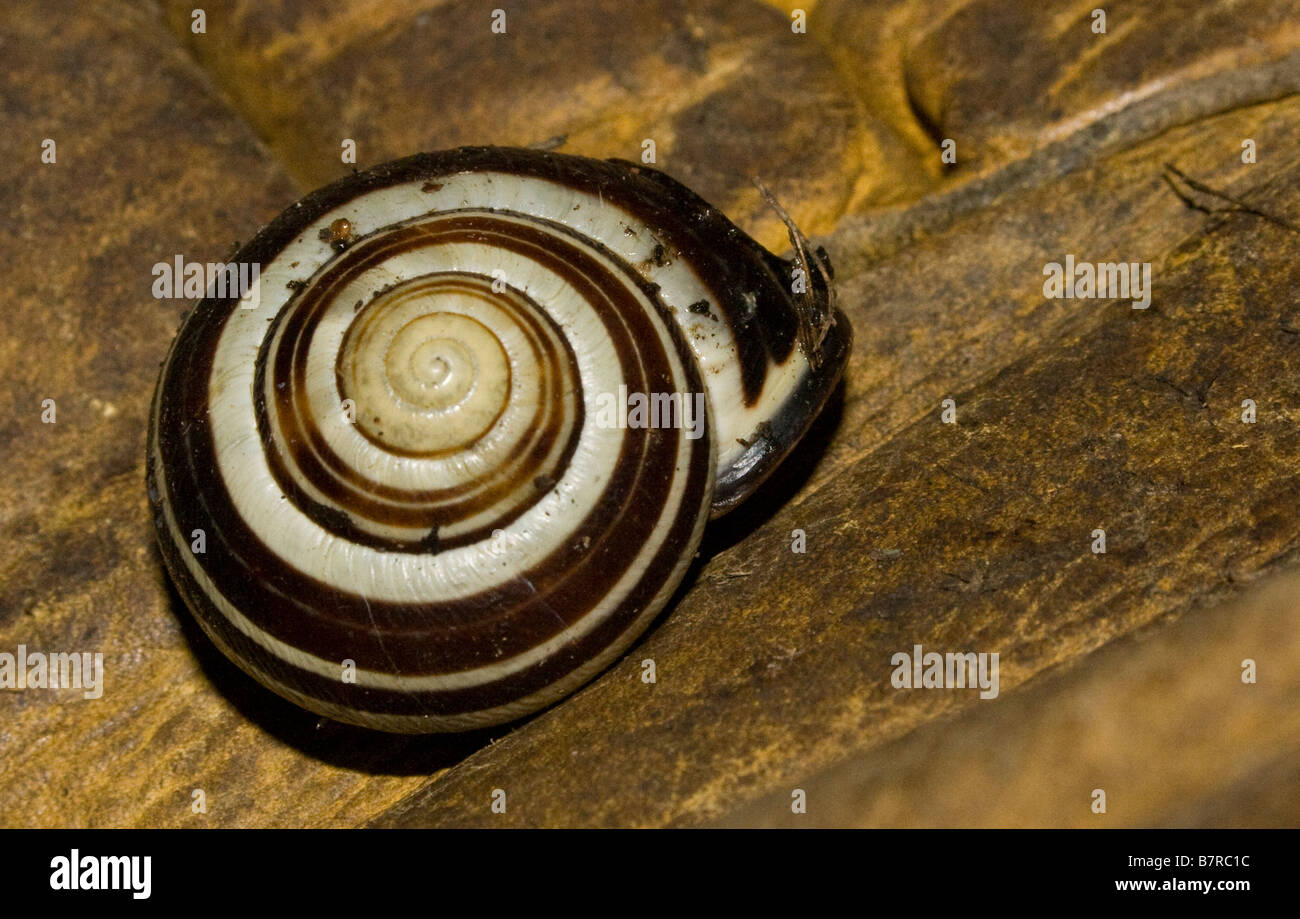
414 517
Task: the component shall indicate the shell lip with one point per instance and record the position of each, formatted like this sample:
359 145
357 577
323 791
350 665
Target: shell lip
787 426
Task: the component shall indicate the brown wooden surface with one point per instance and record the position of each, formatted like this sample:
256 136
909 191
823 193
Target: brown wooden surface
1119 671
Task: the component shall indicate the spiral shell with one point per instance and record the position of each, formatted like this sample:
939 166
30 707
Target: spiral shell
415 517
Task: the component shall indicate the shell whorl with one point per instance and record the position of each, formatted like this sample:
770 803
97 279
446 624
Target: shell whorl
397 458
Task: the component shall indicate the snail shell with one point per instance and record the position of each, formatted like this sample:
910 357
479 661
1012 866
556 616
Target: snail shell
414 517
